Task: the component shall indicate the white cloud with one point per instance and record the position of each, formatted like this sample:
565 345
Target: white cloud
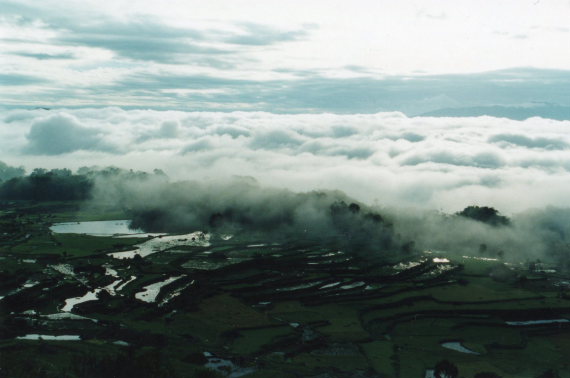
442 163
63 133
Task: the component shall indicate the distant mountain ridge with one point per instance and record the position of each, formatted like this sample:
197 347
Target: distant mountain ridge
557 112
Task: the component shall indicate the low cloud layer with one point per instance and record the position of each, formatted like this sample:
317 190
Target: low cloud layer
240 204
385 158
62 133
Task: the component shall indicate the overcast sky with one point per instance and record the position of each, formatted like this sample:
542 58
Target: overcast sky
360 56
351 95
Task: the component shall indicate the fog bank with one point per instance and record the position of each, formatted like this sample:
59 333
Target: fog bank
385 158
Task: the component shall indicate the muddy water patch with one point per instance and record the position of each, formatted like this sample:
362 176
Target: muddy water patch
50 337
226 367
150 292
27 285
537 322
161 243
458 347
121 286
96 228
72 302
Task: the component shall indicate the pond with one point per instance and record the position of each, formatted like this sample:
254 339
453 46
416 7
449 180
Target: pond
151 291
161 243
537 322
50 337
457 346
96 228
71 302
226 367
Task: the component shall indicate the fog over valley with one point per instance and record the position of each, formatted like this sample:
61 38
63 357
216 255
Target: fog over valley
387 159
319 189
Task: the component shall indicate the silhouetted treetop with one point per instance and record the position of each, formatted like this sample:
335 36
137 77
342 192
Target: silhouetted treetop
485 214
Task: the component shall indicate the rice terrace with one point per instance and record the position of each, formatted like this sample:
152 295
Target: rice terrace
83 295
284 189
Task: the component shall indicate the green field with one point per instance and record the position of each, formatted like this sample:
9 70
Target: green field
256 308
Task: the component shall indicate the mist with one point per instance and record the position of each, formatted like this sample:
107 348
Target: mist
285 175
242 205
426 163
539 234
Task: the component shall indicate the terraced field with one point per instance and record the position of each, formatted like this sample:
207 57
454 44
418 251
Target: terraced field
238 305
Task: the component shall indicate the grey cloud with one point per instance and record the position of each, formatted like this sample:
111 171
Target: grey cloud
529 142
24 115
490 181
140 38
16 79
410 137
545 164
409 94
454 162
233 131
62 133
7 172
199 145
263 35
499 93
147 39
479 160
416 194
163 46
45 56
471 95
167 130
342 131
552 111
275 139
169 81
320 148
332 131
357 69
531 235
242 205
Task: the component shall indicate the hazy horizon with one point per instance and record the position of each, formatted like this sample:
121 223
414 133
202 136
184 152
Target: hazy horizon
427 105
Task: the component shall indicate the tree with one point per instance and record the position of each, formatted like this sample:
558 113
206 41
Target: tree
7 172
485 214
445 369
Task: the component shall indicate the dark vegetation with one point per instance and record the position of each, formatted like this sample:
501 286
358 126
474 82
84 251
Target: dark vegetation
347 298
43 185
60 184
484 214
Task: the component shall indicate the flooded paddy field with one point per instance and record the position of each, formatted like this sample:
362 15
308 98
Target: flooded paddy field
88 303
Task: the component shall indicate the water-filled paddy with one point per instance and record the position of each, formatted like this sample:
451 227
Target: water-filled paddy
96 228
50 337
458 347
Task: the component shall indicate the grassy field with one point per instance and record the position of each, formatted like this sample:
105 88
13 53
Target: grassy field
292 309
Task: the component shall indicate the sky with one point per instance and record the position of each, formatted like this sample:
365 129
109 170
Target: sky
296 57
430 104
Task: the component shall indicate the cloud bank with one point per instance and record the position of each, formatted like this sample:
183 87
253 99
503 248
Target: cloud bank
385 158
62 133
